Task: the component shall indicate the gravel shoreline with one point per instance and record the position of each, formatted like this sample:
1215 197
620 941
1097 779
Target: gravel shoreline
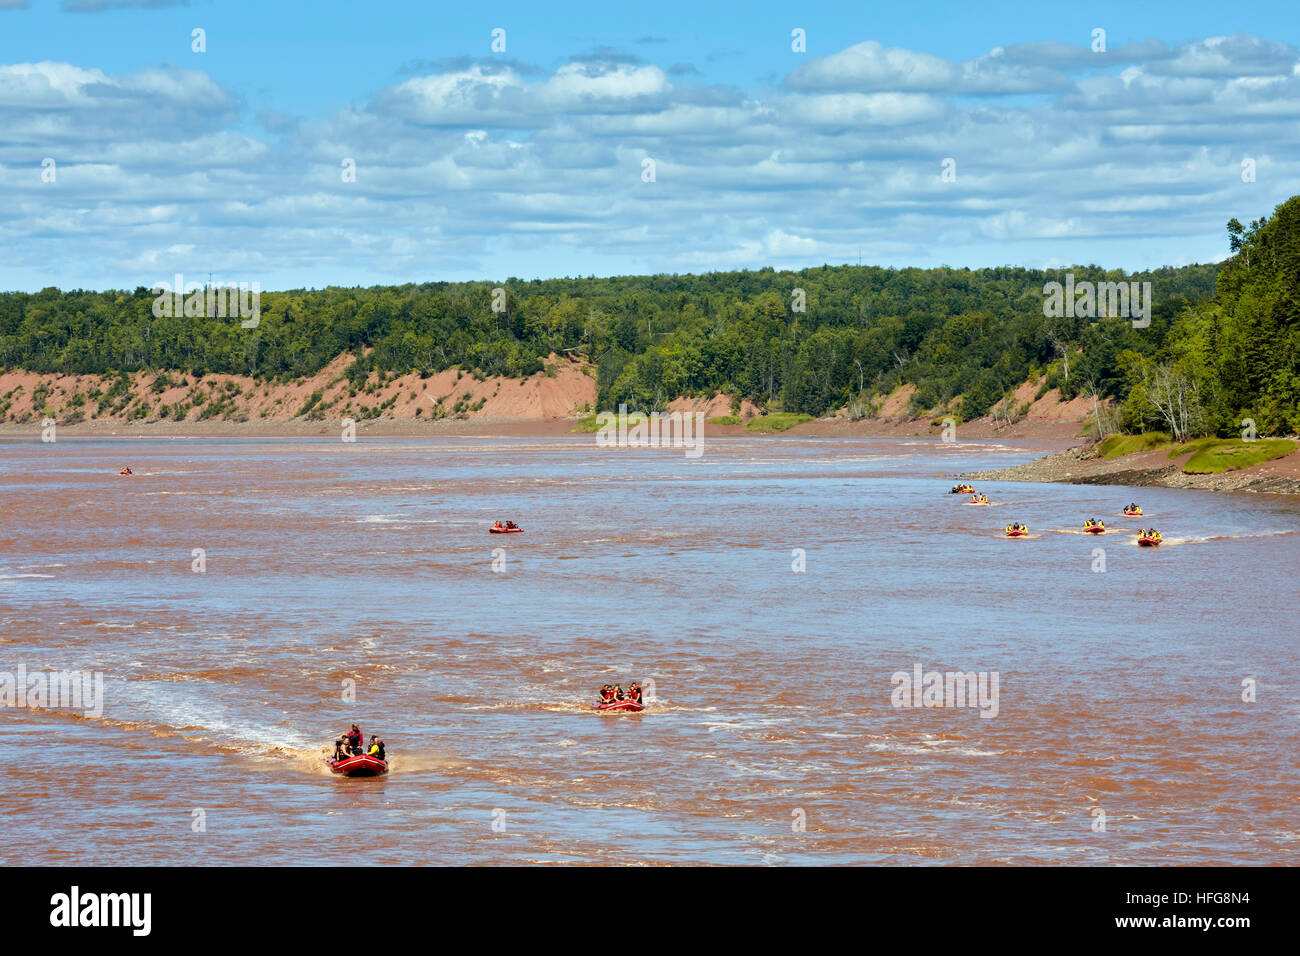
1082 466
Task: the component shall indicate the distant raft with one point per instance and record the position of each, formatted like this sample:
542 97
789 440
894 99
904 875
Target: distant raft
624 706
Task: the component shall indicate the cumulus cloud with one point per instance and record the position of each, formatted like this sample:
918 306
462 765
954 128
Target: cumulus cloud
1234 56
1057 55
492 167
870 67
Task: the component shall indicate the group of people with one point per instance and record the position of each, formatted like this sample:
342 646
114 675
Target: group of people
1016 528
979 499
505 525
1093 523
1132 510
962 489
613 692
126 471
351 744
1151 534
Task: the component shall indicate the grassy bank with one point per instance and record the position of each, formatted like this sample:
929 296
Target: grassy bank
777 422
1209 456
591 424
1116 446
1214 456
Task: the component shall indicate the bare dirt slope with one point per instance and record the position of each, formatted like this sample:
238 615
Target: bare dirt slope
563 389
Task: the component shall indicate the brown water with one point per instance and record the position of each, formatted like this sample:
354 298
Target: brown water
329 562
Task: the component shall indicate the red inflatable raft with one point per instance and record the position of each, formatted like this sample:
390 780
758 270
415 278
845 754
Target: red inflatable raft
1020 533
495 530
1095 529
1145 542
626 706
362 765
1133 514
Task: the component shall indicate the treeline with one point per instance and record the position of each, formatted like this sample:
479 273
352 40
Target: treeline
810 341
1231 364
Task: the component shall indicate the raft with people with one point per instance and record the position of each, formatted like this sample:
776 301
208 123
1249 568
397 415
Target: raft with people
978 500
962 489
628 706
1017 530
362 765
508 527
612 699
1133 511
1150 538
353 759
1093 526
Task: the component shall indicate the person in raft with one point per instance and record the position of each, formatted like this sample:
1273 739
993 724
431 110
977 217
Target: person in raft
354 739
511 524
126 471
339 754
606 693
376 747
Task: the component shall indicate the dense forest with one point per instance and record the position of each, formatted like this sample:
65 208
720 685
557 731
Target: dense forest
1223 343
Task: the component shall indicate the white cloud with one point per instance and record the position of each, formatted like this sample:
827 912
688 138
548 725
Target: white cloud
482 169
870 66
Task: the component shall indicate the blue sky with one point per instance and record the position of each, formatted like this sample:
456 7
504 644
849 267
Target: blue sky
477 164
